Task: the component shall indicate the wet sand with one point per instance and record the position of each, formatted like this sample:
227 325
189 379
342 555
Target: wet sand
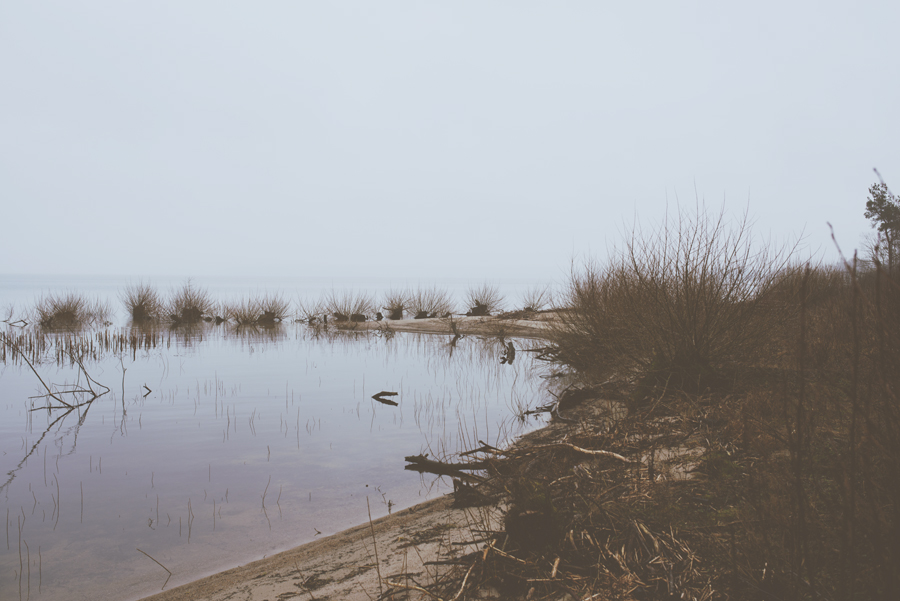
343 566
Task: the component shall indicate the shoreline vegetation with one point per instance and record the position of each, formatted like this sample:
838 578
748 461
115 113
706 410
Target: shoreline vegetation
727 427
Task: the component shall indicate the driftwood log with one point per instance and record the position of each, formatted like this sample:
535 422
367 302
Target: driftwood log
422 464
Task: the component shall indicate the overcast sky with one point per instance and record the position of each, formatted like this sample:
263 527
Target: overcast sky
428 139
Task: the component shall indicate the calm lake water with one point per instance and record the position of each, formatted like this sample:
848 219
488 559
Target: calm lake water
249 442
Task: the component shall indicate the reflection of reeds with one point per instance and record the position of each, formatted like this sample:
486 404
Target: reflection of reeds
69 310
189 304
395 303
484 300
430 302
142 301
349 306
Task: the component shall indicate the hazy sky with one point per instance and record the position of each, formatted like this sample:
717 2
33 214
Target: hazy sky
416 139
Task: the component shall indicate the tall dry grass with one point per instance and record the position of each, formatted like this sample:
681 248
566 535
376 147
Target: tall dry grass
142 301
484 300
395 303
682 303
269 309
69 310
348 305
427 302
536 298
189 304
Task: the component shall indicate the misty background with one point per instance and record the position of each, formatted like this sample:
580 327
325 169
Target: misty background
424 139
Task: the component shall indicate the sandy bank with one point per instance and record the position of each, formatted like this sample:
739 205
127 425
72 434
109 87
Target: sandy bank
343 566
536 326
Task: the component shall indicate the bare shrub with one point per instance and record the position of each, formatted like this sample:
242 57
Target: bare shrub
142 302
678 304
274 308
310 311
484 300
349 306
189 304
266 310
69 310
537 298
242 312
395 303
430 302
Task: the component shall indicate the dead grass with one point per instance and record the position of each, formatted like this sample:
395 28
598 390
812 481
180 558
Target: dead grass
266 310
484 300
536 298
684 303
189 304
142 301
310 311
779 483
69 310
430 302
348 305
395 303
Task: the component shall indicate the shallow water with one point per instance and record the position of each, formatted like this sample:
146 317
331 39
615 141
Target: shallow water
250 442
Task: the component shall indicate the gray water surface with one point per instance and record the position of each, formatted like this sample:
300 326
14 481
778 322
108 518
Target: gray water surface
249 442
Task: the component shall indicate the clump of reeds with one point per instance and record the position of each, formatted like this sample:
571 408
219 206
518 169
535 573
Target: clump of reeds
242 312
536 299
680 303
395 303
310 312
349 306
142 302
267 310
189 304
430 302
69 310
484 300
273 308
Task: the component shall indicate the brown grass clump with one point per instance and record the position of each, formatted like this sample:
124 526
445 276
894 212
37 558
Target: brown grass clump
349 306
310 312
142 302
536 299
395 303
430 302
69 310
484 300
267 310
683 303
189 304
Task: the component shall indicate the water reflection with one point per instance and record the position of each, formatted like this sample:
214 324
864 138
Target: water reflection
203 422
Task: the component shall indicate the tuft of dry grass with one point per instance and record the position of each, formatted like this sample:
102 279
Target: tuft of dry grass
681 304
430 302
536 299
349 306
310 311
69 310
395 303
484 300
189 304
142 302
266 310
